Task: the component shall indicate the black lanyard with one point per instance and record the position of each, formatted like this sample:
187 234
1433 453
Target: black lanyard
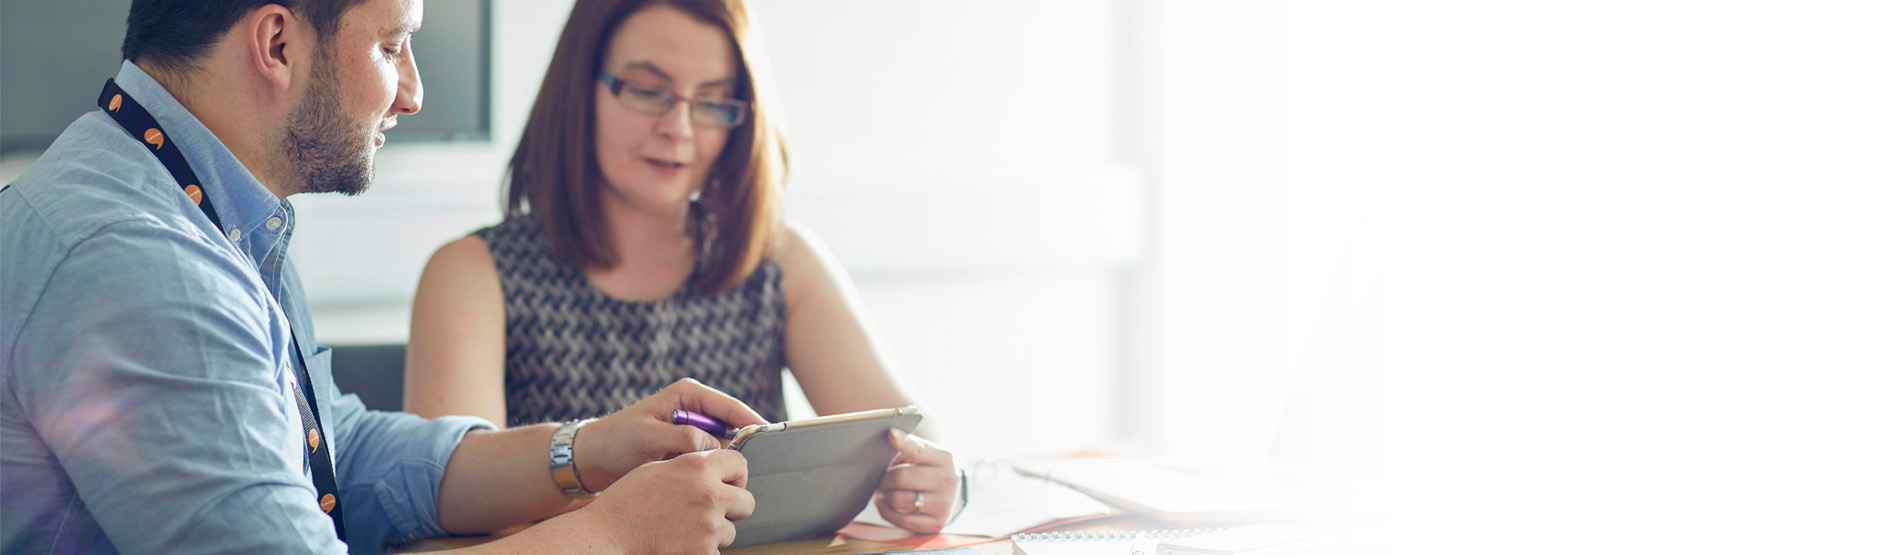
144 127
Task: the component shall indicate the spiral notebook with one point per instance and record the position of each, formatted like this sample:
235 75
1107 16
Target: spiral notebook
1140 542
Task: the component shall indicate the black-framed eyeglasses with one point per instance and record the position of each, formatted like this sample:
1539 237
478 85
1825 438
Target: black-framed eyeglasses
709 112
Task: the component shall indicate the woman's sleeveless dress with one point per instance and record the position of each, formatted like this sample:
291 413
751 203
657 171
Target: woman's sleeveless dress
575 352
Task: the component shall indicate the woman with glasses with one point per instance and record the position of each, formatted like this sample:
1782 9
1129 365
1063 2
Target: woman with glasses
644 243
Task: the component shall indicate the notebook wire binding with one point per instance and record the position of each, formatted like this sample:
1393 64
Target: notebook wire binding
1132 541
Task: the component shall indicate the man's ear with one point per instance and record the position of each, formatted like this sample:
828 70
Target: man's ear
273 39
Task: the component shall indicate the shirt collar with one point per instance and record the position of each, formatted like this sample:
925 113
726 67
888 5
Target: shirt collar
243 203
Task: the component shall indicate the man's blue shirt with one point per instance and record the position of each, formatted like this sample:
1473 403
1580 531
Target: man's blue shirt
145 369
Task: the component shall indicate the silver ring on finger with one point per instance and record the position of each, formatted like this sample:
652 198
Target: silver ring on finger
918 507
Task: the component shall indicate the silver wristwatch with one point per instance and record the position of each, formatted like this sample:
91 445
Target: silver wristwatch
566 474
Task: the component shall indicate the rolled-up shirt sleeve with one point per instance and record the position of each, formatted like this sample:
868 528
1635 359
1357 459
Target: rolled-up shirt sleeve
161 397
390 466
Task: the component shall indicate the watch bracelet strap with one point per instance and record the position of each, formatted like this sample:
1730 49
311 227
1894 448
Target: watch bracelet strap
563 463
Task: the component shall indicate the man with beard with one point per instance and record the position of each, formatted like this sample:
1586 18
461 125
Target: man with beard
160 387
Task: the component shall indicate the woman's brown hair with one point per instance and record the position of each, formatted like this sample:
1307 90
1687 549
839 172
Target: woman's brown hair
555 176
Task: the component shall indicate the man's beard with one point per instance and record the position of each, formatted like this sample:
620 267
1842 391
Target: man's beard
325 150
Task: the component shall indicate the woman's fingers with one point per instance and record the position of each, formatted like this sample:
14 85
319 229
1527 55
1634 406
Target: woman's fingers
900 507
919 477
919 491
919 524
918 497
916 450
903 501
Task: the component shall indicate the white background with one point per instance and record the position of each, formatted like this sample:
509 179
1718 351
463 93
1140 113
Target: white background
1564 277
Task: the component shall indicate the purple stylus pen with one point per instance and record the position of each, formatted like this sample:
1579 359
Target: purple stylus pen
710 425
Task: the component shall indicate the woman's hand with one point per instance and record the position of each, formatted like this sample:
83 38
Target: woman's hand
921 491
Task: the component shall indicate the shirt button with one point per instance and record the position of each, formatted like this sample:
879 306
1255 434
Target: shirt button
236 235
273 223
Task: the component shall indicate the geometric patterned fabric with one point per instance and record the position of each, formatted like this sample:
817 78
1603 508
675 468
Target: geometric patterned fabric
575 352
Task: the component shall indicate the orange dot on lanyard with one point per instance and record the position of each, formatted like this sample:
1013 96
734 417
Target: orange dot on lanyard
328 502
196 194
116 100
313 440
156 139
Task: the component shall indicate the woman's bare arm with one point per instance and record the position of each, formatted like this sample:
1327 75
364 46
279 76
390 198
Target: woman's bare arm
458 336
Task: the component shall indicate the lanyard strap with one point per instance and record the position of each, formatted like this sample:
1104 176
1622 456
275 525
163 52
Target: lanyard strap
133 117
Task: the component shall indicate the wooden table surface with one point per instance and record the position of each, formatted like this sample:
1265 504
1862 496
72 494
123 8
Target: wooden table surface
834 546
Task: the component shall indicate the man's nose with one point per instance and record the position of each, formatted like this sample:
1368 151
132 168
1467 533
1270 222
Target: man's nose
408 91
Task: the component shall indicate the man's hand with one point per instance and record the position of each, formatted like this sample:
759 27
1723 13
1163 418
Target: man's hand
612 446
683 505
925 471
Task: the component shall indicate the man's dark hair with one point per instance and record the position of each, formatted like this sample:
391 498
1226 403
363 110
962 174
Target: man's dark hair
172 35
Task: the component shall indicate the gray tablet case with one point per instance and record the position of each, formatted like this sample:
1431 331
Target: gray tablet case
809 482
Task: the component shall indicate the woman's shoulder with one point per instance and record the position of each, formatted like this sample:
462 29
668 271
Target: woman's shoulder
514 241
518 241
469 253
804 263
796 245
795 248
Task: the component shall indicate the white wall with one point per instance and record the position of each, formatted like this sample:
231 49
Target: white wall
965 166
982 205
362 256
1640 277
1065 210
1262 235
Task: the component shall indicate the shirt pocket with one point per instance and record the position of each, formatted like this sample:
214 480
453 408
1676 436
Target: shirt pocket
318 364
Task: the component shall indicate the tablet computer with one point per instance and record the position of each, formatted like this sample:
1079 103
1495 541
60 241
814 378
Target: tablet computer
811 477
